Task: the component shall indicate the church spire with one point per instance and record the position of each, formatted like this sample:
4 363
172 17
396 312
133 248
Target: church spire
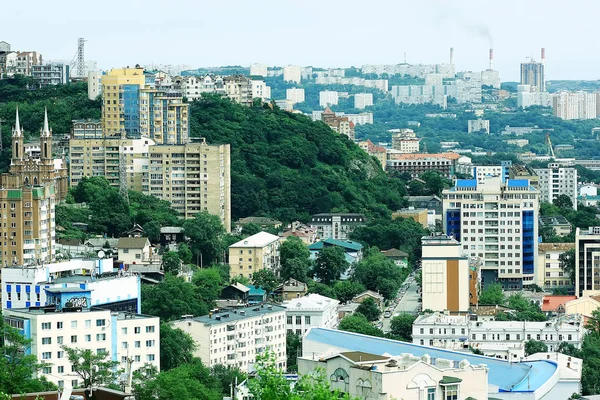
45 129
17 128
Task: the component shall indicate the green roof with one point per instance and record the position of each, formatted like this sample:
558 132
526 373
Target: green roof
38 193
449 380
15 194
346 244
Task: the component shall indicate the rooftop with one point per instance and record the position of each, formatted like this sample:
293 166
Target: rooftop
423 198
171 229
311 302
228 316
394 253
346 244
554 220
509 377
132 242
553 303
259 221
360 356
423 156
261 239
543 247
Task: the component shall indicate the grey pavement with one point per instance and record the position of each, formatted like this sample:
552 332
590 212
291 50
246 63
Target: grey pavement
408 304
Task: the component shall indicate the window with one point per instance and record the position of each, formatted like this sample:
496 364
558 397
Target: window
124 345
46 325
59 325
47 370
289 319
451 392
150 329
59 339
46 340
298 320
307 320
100 351
149 343
100 322
137 344
430 393
150 357
46 355
124 331
137 358
73 324
136 329
60 354
101 337
88 323
74 339
61 370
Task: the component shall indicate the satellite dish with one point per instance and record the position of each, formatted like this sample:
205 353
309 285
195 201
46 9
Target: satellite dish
101 254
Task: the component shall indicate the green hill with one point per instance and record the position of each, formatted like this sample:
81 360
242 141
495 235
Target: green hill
286 166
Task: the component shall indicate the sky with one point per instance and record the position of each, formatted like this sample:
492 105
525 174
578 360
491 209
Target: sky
309 32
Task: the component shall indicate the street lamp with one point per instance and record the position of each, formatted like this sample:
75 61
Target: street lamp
93 368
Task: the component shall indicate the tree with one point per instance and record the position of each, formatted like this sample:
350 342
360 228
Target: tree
492 295
209 284
293 248
172 298
593 323
176 347
152 231
567 263
185 253
95 369
563 202
358 323
401 326
376 272
568 349
534 346
330 264
295 268
320 288
369 309
206 234
171 263
227 376
251 229
346 290
293 342
266 279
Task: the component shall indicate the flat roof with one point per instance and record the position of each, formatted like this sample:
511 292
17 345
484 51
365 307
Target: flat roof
227 316
509 377
260 239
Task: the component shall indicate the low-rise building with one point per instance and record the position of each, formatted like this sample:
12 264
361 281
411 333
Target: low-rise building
432 202
340 124
549 272
263 222
328 98
134 250
498 339
122 336
310 311
416 164
405 141
171 237
253 254
555 305
50 74
235 337
371 149
291 289
369 294
399 257
585 305
28 286
419 215
306 233
410 377
336 225
560 224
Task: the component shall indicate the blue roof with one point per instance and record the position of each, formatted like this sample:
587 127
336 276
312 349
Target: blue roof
509 377
256 291
346 244
466 183
517 183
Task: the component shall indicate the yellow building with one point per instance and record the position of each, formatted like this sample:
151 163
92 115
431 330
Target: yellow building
253 254
121 101
417 214
193 177
549 274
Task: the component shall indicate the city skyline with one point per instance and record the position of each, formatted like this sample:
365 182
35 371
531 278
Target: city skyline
281 34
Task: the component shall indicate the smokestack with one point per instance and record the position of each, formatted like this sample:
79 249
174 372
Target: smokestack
543 55
491 59
451 55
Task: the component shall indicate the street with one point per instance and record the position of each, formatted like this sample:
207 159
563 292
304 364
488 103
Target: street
408 304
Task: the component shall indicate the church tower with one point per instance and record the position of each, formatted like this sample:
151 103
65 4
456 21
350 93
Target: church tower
17 140
46 140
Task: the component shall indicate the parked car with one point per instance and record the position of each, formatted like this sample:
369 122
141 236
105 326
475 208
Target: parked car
387 314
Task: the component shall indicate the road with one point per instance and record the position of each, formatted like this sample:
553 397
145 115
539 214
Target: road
409 302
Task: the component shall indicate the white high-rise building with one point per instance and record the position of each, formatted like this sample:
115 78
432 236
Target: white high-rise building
295 95
362 100
120 335
292 73
94 84
555 181
328 98
310 311
260 90
574 105
258 70
496 222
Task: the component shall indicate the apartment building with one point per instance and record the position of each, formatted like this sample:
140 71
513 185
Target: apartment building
121 101
294 95
192 87
253 254
25 60
235 337
260 90
35 169
86 129
587 261
497 223
364 375
163 116
24 286
478 125
379 84
94 84
50 74
532 74
416 164
560 224
445 275
557 180
328 98
336 225
66 322
258 70
341 125
193 177
292 73
574 105
363 100
309 311
239 89
405 141
499 339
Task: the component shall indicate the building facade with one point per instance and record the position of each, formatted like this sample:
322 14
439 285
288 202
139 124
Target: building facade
587 260
574 105
235 338
253 254
557 180
292 73
294 95
532 74
86 129
478 125
336 225
50 74
163 116
497 223
121 336
363 100
341 125
94 84
416 164
258 70
239 89
328 98
121 101
405 141
310 311
445 275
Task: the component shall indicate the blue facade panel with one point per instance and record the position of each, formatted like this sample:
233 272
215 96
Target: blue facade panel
18 288
9 304
28 289
131 110
453 223
8 288
528 223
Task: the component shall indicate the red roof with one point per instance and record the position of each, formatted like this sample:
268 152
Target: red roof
552 303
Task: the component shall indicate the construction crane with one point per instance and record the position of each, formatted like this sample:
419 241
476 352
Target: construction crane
550 148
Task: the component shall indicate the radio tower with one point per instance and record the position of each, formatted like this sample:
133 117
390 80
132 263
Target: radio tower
78 63
123 190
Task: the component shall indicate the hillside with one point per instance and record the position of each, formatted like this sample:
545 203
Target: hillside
286 166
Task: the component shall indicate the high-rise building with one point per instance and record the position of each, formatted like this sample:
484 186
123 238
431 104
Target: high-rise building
94 84
328 98
495 222
574 105
86 129
532 73
295 95
555 181
35 169
164 117
362 100
121 101
260 90
258 70
587 260
292 73
50 74
193 177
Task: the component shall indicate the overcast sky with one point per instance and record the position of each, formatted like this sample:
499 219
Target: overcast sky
313 32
